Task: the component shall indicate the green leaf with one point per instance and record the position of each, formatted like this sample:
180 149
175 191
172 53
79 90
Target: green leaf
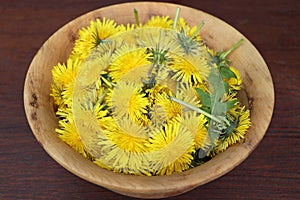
226 73
218 108
217 86
204 97
226 87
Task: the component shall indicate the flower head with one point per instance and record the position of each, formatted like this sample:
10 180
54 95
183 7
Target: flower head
68 133
172 149
242 117
124 146
196 125
63 81
126 100
190 70
96 33
126 59
172 109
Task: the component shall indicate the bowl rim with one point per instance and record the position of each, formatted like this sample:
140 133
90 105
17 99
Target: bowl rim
136 186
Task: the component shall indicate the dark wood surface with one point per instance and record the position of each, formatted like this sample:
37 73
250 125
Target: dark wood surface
272 171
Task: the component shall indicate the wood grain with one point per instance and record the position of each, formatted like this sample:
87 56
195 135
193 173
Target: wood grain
271 171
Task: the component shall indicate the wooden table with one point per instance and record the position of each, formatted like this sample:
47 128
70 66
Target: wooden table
272 171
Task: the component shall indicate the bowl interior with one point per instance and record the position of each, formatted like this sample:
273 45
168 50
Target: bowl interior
257 84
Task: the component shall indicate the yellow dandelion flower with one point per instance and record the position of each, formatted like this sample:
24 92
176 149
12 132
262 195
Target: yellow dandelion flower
239 132
159 22
172 149
196 125
124 148
136 75
67 93
159 89
190 69
128 136
125 59
90 114
96 33
92 70
64 76
68 133
126 100
171 108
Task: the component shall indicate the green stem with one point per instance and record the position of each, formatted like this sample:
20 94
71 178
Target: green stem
196 32
176 18
225 54
136 15
197 110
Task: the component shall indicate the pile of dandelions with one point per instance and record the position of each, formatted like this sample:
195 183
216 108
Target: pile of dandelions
148 99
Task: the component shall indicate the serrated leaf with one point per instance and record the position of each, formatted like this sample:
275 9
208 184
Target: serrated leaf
217 86
204 97
218 108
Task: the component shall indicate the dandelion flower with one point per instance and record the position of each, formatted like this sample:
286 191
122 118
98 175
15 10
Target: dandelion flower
126 100
126 59
63 74
136 75
171 108
68 133
172 149
96 33
63 80
243 117
196 125
124 146
190 70
92 69
128 135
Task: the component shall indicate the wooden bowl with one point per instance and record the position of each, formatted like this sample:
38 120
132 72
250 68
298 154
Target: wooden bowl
257 83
